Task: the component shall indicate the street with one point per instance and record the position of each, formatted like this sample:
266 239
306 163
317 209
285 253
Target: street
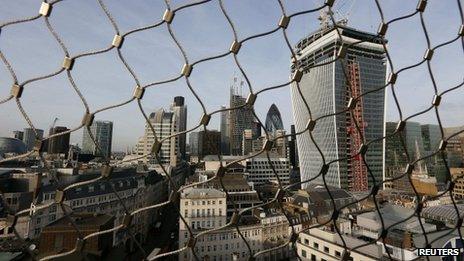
160 238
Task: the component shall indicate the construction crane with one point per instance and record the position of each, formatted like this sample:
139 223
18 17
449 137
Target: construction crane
53 123
342 16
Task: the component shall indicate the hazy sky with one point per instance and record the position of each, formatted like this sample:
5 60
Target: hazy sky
203 31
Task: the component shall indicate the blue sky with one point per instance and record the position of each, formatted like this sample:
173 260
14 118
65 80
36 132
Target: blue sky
203 31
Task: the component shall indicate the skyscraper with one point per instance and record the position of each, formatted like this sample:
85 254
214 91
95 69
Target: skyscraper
292 146
102 131
180 110
165 124
420 141
431 136
58 144
193 142
273 119
240 119
327 90
225 132
29 137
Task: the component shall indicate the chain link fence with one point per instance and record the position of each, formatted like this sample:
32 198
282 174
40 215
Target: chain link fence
46 10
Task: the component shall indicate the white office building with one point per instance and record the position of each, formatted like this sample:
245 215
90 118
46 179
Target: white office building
259 170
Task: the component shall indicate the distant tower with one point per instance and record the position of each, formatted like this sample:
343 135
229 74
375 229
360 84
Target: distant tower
273 120
29 137
327 89
165 124
180 110
240 119
58 144
102 131
225 132
293 155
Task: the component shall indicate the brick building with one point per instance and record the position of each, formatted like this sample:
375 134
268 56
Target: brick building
61 236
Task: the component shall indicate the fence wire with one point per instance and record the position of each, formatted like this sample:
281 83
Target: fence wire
46 10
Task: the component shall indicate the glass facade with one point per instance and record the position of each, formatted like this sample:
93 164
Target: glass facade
327 89
431 136
102 131
273 120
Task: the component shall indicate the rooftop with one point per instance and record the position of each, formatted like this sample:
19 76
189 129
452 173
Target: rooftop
82 220
195 193
445 213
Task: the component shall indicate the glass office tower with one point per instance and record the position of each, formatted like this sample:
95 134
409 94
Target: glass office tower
327 85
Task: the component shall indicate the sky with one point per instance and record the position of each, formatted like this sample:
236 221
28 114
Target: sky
203 31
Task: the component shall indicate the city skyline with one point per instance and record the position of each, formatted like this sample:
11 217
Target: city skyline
205 78
344 138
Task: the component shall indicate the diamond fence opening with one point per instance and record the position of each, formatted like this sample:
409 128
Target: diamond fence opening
340 53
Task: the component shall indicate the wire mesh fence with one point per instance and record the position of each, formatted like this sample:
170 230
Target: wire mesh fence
19 86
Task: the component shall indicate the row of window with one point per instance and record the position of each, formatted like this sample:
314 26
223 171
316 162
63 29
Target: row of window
203 213
316 246
203 202
215 237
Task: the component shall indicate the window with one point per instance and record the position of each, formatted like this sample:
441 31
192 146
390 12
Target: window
306 241
313 257
337 253
316 245
186 213
303 253
326 249
186 203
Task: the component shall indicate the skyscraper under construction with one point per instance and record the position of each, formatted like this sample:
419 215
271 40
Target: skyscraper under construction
327 85
239 119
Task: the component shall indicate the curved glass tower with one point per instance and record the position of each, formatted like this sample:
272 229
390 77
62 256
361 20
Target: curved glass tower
327 89
273 119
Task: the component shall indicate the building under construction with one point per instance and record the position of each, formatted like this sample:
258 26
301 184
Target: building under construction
240 119
329 85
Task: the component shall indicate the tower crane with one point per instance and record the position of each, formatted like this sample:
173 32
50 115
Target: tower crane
342 15
53 123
